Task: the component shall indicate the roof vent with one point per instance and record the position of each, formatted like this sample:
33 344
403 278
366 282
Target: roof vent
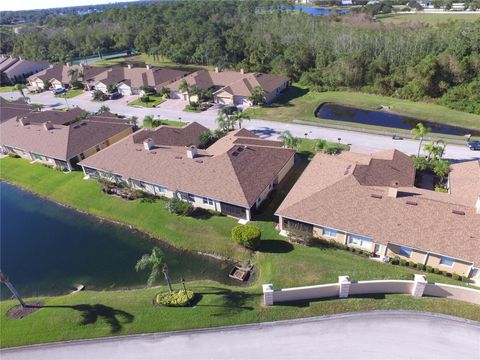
192 152
414 203
240 149
24 121
48 125
235 154
199 161
178 157
376 196
148 144
458 212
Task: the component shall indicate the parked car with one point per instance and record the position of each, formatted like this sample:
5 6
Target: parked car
474 145
59 91
115 95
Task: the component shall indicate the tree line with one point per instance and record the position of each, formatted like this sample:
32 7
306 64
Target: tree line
410 61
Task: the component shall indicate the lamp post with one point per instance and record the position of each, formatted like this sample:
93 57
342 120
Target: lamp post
339 139
167 278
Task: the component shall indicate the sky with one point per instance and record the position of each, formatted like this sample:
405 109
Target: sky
46 4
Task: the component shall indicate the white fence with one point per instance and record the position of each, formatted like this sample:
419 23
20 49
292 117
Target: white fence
344 288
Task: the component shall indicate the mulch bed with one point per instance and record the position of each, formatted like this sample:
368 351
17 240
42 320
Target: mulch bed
17 312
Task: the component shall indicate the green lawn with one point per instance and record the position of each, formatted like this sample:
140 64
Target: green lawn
277 262
70 94
300 104
6 89
431 19
154 100
165 122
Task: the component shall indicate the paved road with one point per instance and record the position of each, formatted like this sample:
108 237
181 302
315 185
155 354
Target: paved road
360 142
375 335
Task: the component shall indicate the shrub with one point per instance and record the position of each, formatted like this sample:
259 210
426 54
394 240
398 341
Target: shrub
395 261
429 269
437 271
145 99
403 262
175 298
465 279
13 155
455 276
412 264
420 266
179 207
447 274
353 249
247 235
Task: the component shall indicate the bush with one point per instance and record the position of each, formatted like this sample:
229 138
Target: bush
395 261
179 207
403 262
353 249
144 99
175 298
412 264
420 266
247 235
13 155
465 279
429 269
455 276
437 271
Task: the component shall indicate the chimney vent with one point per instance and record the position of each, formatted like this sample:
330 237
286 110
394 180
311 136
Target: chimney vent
242 71
148 144
148 66
393 189
48 125
477 205
217 69
192 152
130 66
24 121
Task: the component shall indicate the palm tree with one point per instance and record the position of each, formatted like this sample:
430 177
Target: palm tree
184 87
155 262
134 120
223 122
37 107
103 109
289 141
20 88
148 121
239 116
419 132
257 96
4 280
441 168
434 150
73 73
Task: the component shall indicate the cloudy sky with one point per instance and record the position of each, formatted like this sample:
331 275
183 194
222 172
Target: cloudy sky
45 4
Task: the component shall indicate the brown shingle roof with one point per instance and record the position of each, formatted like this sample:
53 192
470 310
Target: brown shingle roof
10 109
62 142
229 175
60 72
329 194
465 181
58 117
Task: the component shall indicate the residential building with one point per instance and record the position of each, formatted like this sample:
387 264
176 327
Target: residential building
129 80
10 109
233 176
59 77
231 87
370 202
61 138
13 70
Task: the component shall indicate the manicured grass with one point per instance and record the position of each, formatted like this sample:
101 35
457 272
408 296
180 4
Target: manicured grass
431 19
97 314
164 122
154 100
6 89
92 314
299 103
70 93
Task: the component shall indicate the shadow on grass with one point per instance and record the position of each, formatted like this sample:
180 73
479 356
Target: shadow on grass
92 313
231 301
290 94
275 246
306 303
201 214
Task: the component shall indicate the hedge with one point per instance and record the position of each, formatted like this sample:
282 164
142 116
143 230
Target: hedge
175 298
247 235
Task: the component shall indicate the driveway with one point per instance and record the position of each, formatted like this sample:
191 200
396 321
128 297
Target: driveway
173 104
374 335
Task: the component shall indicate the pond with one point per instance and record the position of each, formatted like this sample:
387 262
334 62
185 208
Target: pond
46 249
309 10
338 112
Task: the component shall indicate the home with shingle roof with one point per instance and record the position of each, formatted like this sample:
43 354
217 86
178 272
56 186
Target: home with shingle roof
10 109
233 176
58 76
129 80
13 69
370 202
61 138
231 87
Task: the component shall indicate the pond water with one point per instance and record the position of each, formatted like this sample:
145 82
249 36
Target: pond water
309 10
337 112
46 249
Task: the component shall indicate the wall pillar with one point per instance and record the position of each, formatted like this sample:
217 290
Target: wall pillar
267 294
344 282
247 214
419 285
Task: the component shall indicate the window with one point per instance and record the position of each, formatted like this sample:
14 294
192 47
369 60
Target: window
160 189
207 201
405 251
98 148
446 261
329 232
361 241
82 156
187 197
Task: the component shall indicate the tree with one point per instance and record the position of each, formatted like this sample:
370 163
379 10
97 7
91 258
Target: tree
154 261
103 109
320 145
441 168
148 121
238 117
257 96
111 88
98 95
73 74
421 163
185 88
134 120
434 149
419 132
222 122
289 141
206 137
4 280
20 88
37 107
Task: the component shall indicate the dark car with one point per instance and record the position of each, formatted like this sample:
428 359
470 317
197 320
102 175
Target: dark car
115 95
474 145
59 91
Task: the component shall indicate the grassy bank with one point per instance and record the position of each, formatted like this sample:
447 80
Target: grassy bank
299 103
70 94
92 314
6 89
153 101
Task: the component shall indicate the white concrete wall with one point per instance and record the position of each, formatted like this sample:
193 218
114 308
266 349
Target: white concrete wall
306 293
382 287
453 292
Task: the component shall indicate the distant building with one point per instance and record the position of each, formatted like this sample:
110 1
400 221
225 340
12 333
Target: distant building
13 69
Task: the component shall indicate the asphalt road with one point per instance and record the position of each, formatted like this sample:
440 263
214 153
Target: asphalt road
375 335
360 142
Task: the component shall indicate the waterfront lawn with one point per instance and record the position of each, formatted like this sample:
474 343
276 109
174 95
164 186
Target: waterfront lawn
70 94
96 314
154 100
298 103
